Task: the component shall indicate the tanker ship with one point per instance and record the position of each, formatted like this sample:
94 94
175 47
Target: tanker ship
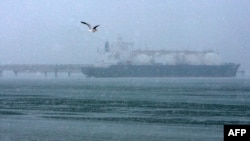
119 59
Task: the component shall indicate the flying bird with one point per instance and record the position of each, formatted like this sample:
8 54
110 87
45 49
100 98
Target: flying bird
90 27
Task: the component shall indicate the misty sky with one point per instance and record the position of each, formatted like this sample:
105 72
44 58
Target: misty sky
49 31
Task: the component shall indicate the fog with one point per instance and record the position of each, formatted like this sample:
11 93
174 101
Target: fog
50 32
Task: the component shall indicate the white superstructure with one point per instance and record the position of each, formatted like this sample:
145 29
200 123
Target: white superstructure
123 52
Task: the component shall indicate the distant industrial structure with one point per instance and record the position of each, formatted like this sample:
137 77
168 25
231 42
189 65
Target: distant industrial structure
42 68
119 59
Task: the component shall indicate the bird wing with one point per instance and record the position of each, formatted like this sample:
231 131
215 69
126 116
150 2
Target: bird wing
87 24
95 26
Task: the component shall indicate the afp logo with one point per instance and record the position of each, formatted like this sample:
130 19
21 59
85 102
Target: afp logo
237 132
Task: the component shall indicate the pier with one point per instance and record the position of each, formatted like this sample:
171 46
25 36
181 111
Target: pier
43 68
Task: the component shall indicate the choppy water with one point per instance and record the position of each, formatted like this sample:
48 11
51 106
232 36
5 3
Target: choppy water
173 109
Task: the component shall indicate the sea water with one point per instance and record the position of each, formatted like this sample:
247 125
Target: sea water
122 109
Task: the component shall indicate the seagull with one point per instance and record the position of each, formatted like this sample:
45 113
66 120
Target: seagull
90 27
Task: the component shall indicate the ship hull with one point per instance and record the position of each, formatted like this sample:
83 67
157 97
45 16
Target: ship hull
227 70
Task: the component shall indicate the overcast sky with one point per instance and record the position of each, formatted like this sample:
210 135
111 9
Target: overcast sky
49 31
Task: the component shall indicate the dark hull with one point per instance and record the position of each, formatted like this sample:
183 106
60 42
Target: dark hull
227 70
